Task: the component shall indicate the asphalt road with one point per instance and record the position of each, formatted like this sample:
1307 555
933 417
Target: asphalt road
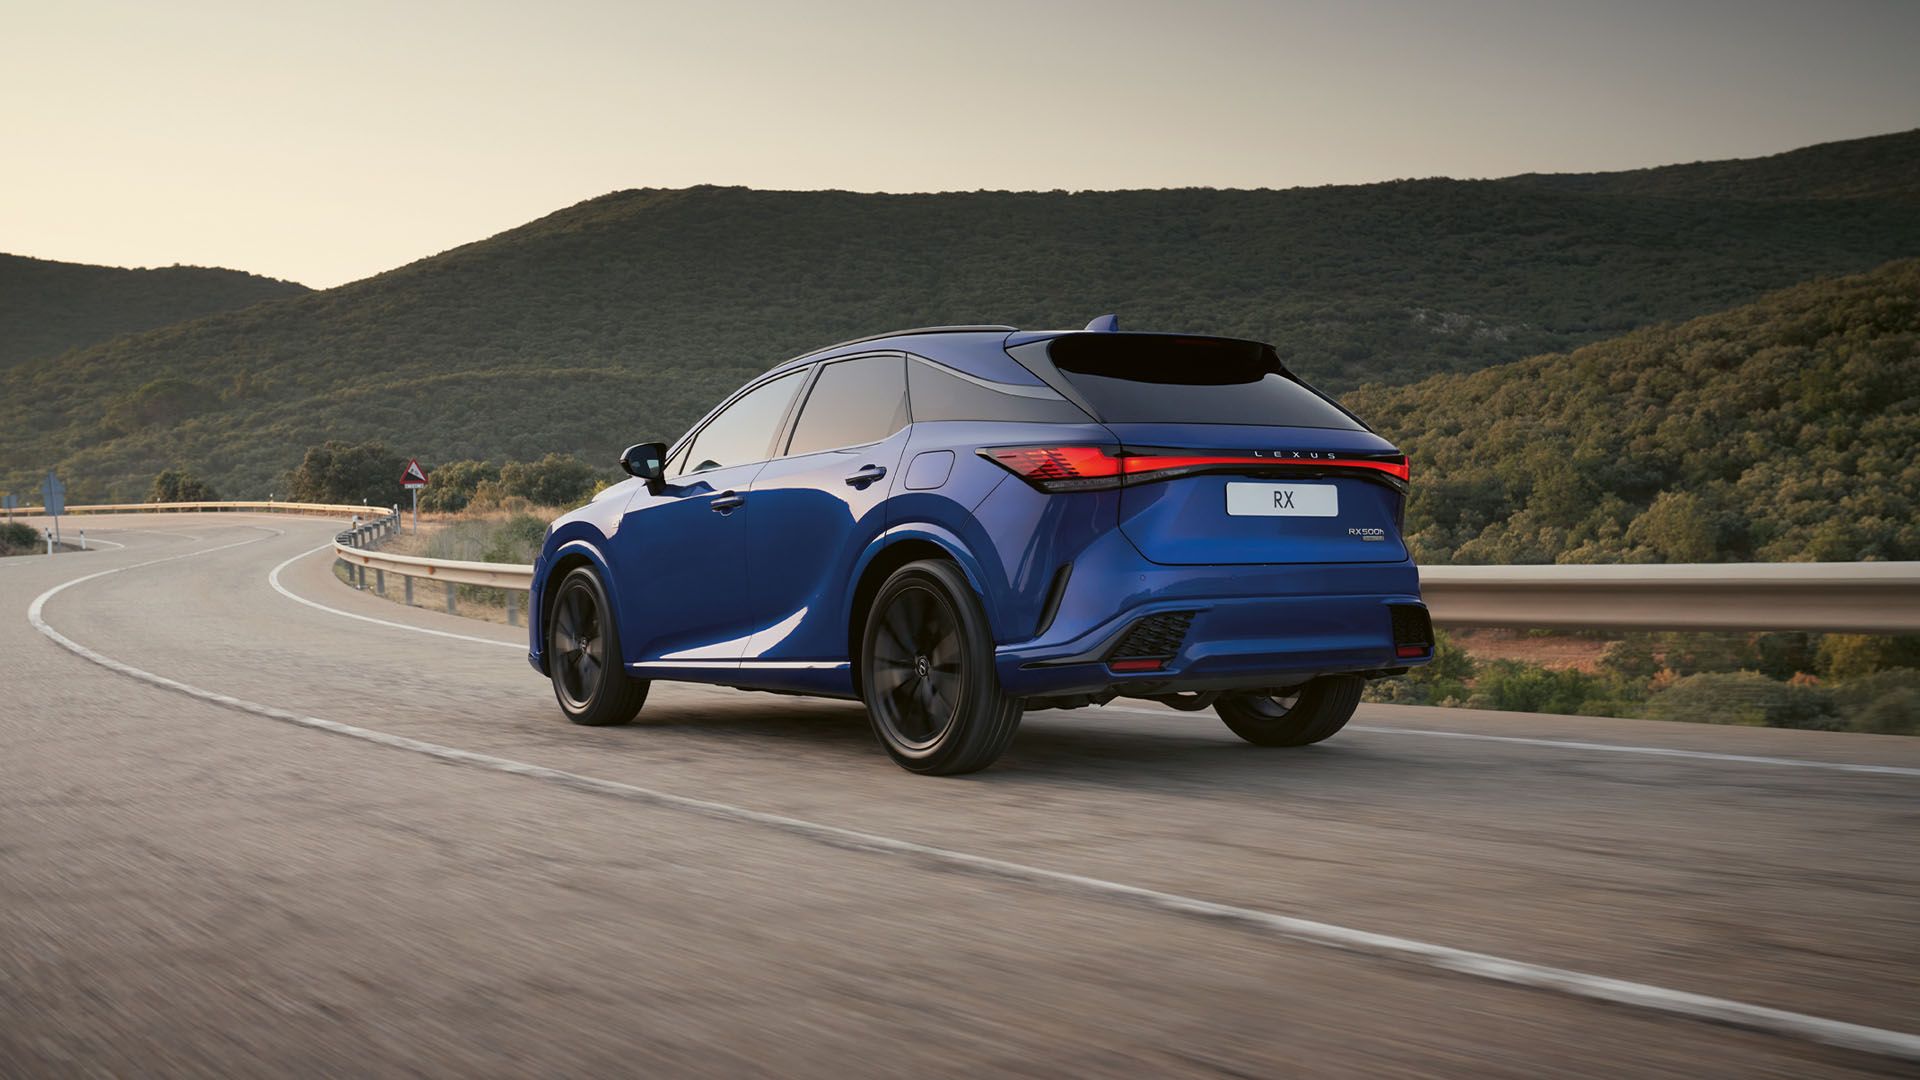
455 882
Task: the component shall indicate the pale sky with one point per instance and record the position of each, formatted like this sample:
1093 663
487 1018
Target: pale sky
325 142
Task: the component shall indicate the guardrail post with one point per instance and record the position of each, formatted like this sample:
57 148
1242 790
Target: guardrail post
380 581
451 589
513 607
409 581
363 576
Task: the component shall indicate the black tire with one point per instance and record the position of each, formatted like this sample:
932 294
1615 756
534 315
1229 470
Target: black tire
583 655
926 673
1298 717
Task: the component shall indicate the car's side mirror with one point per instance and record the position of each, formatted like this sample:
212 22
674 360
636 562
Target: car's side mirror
648 461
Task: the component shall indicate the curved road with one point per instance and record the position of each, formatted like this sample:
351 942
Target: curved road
240 833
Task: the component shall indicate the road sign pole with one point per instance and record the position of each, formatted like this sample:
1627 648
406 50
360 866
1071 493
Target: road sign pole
416 510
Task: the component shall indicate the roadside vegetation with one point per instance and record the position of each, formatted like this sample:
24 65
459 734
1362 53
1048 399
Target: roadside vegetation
1826 682
1781 431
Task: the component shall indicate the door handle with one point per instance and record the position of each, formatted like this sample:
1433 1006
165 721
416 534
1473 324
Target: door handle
867 475
725 502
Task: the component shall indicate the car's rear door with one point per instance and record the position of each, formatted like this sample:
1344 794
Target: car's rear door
1229 459
819 502
681 555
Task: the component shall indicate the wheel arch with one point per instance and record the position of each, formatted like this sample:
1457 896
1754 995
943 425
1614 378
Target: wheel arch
565 559
890 551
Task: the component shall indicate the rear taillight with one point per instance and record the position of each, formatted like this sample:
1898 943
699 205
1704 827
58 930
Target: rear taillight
1060 468
1093 468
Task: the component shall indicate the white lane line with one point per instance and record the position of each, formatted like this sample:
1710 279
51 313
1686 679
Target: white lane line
171 534
1781 1022
1656 751
1610 748
273 579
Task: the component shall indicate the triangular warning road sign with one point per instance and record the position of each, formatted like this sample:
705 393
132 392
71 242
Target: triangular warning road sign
415 476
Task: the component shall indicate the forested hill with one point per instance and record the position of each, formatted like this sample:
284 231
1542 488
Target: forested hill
1779 431
1882 167
625 316
49 307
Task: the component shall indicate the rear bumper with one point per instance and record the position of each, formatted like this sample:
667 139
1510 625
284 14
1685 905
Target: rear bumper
1251 626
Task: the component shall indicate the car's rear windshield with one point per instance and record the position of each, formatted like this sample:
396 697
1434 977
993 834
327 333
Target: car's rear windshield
1169 379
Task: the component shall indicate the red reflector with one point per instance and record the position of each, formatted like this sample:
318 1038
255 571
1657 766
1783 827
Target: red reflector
1136 665
1410 650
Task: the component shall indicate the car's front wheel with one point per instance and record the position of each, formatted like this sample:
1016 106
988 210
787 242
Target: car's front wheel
926 672
583 655
1293 717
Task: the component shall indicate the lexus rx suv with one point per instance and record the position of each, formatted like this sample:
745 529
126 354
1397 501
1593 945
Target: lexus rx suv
958 524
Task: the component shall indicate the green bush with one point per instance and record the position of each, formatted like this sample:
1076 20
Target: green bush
16 538
339 472
554 480
1744 697
1884 703
1849 656
1519 687
452 486
177 485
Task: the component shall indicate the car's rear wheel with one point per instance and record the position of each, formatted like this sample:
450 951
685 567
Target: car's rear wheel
926 672
583 655
1293 717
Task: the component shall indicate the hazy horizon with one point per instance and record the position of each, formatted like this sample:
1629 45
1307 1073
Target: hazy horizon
323 146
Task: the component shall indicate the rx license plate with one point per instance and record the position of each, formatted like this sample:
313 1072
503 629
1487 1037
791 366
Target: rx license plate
1283 500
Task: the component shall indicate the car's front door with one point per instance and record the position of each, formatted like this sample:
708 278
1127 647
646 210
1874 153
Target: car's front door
820 503
681 555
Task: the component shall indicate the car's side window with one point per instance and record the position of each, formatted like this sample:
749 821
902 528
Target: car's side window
852 403
743 432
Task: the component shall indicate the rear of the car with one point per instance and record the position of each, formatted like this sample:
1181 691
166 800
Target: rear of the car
1229 528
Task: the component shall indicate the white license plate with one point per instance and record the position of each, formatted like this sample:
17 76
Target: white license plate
1283 500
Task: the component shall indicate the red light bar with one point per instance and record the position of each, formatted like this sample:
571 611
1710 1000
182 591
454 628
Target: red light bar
1089 468
1409 651
1136 665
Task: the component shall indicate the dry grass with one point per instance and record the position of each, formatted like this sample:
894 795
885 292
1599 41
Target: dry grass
1555 652
509 533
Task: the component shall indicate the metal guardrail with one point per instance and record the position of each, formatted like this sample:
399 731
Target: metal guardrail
1860 598
269 506
1857 598
349 549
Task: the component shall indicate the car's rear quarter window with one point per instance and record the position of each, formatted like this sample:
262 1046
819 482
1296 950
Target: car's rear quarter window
939 393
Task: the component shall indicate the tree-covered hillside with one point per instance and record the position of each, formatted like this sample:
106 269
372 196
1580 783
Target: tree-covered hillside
48 307
1780 431
624 317
1881 167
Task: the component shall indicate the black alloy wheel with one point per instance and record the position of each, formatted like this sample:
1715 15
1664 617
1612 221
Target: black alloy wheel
916 660
926 673
583 655
1293 716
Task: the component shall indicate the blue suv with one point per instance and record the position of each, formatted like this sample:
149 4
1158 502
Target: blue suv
958 524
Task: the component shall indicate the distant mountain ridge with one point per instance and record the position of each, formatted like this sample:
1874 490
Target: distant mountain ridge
47 307
1880 167
626 316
